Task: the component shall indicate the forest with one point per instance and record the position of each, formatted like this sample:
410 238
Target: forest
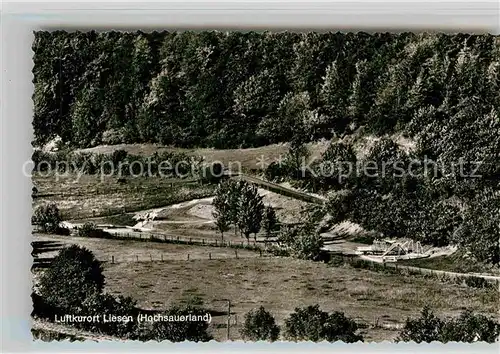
249 89
244 89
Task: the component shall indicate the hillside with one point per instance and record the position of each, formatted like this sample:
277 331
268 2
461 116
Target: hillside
236 90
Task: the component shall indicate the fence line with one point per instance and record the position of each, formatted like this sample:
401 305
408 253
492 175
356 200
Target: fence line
164 238
168 257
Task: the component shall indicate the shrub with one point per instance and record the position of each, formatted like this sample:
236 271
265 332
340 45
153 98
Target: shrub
212 173
307 244
106 305
73 275
302 241
113 137
277 171
336 261
311 323
118 156
40 307
476 282
179 331
47 218
426 328
278 251
365 239
468 327
89 229
260 325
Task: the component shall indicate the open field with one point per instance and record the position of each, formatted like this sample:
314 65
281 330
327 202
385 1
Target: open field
248 158
90 196
281 284
126 251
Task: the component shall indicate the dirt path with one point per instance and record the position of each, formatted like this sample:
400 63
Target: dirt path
436 272
444 272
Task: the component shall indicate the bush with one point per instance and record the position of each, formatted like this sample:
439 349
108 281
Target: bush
40 307
113 137
118 156
302 241
106 305
310 323
212 173
307 244
427 328
178 330
477 282
277 171
87 229
278 251
90 229
468 327
47 218
365 239
73 275
260 325
336 261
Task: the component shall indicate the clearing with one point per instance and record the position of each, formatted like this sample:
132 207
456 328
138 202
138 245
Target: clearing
380 301
90 196
248 158
127 251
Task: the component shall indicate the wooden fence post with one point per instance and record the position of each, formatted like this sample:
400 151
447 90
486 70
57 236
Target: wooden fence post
209 255
151 257
236 253
112 259
162 257
137 258
188 256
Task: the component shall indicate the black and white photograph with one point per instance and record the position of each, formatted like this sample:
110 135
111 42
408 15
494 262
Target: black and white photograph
265 185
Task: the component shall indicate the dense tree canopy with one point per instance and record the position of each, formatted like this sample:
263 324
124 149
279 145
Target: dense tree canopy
246 89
